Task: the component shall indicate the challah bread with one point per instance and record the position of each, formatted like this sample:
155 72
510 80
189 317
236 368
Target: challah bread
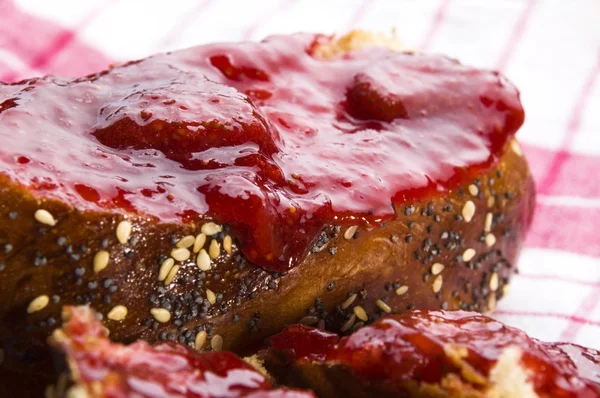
239 188
425 354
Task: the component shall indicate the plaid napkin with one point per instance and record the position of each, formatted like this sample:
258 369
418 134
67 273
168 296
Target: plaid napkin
550 49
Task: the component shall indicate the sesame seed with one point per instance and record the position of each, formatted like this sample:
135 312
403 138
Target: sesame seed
160 314
171 275
494 282
487 226
505 289
180 254
492 302
383 306
350 232
309 320
165 268
401 290
203 260
214 250
490 201
211 296
118 313
360 313
216 343
44 217
437 284
199 242
348 302
348 324
38 303
101 260
76 391
357 326
124 231
473 190
490 240
186 241
210 229
468 211
227 244
200 339
437 268
514 145
468 254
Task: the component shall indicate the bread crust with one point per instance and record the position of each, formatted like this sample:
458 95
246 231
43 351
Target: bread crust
328 289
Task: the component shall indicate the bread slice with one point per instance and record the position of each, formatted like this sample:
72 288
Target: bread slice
430 354
99 368
166 279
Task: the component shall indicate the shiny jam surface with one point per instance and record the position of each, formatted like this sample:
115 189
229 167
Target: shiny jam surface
166 370
261 136
305 343
410 346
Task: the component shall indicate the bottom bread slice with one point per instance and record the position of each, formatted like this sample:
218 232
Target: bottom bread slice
454 354
431 354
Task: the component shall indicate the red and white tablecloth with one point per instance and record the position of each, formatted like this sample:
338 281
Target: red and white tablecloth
549 48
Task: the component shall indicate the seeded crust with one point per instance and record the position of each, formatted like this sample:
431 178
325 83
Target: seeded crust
349 278
329 289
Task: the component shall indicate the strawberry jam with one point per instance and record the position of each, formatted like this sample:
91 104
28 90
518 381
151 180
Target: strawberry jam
264 137
166 370
414 347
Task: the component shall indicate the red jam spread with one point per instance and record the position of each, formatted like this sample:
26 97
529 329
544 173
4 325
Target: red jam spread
410 346
166 370
263 136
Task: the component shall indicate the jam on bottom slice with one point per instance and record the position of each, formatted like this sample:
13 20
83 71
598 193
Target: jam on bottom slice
433 354
104 369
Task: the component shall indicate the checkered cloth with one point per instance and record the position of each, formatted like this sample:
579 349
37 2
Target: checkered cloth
550 49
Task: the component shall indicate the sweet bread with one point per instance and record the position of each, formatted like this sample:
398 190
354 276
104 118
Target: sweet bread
432 354
455 354
240 188
98 368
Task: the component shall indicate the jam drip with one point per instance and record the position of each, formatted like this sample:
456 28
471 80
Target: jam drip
424 346
261 136
166 370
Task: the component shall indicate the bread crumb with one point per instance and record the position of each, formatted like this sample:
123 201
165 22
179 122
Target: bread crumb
508 379
259 365
356 40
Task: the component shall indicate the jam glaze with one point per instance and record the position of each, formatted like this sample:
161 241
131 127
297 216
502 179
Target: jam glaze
413 347
166 370
263 137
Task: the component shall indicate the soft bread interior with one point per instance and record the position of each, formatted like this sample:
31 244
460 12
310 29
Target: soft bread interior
356 40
